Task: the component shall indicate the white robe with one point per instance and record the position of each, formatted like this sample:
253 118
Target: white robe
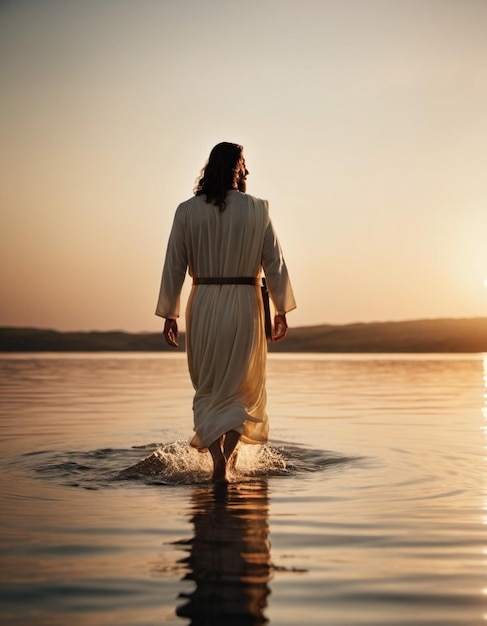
225 339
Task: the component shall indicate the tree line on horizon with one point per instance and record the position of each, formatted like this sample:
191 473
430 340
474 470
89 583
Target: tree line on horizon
441 335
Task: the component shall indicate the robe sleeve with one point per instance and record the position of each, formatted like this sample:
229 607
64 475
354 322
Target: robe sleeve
174 271
276 273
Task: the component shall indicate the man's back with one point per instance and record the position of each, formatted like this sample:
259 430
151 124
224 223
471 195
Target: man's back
224 243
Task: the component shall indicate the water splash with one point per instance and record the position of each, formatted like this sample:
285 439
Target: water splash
170 463
174 463
178 463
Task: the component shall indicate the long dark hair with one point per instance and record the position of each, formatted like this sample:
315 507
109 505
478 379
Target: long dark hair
224 170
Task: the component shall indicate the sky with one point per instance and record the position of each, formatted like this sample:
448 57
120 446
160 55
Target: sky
364 124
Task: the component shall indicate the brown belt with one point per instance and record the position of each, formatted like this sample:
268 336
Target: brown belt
227 280
243 280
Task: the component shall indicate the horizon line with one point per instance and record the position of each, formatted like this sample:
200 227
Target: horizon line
340 324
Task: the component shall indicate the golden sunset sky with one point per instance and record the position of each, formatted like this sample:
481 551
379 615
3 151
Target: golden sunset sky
364 124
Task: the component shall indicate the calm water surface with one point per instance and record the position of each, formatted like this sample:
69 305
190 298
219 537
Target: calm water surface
368 506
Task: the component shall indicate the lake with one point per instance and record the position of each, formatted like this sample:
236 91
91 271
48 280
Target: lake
368 505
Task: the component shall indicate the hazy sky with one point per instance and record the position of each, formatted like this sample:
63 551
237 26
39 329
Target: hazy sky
364 124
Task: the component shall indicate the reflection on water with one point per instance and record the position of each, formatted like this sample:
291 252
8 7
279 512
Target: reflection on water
484 428
377 485
484 408
228 556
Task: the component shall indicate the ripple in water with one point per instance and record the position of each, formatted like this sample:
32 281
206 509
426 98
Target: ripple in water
174 463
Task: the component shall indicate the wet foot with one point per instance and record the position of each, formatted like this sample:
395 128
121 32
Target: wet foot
232 461
220 472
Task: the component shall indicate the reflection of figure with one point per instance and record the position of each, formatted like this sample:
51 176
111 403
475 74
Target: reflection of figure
224 238
229 557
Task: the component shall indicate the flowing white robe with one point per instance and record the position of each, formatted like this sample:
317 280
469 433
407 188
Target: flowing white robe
225 338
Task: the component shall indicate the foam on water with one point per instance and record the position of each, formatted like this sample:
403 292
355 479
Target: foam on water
174 463
178 463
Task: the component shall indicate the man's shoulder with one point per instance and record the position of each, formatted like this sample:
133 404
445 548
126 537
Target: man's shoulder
186 206
193 201
190 201
255 199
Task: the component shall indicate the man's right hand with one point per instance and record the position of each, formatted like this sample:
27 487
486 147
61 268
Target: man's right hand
171 332
280 328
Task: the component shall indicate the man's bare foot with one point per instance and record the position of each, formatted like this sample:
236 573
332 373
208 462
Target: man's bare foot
232 461
220 471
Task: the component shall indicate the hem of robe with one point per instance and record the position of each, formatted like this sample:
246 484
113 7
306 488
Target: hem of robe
253 430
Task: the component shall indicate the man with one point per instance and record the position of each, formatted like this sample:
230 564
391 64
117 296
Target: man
224 238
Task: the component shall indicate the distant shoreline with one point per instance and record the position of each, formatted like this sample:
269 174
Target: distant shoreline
468 335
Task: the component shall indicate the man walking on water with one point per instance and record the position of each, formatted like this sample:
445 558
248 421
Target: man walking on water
225 239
